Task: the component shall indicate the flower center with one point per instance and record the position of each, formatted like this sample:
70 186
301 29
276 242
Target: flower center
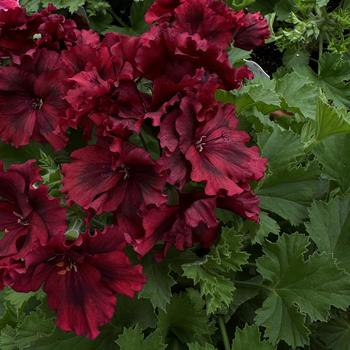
21 219
64 264
204 141
37 103
123 169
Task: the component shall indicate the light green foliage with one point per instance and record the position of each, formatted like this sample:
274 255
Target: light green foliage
196 346
214 273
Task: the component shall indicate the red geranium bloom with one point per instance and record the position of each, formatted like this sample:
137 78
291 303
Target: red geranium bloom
27 216
245 204
191 220
208 139
252 31
104 92
161 10
103 180
81 279
8 4
31 101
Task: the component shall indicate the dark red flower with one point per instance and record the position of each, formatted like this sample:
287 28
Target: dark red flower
218 152
16 37
245 204
252 31
81 278
8 4
161 10
31 101
103 91
28 217
191 220
105 181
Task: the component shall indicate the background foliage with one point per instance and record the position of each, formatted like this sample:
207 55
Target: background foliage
282 284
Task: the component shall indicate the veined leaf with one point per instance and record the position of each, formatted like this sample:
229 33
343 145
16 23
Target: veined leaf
249 338
298 287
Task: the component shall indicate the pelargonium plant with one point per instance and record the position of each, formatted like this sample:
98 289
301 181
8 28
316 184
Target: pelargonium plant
117 91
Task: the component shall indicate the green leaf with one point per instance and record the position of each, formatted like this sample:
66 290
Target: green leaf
32 328
299 94
159 283
333 78
71 5
281 147
134 311
288 192
266 226
329 228
133 338
186 319
17 300
31 5
298 287
330 120
212 274
8 338
333 154
336 334
196 346
249 338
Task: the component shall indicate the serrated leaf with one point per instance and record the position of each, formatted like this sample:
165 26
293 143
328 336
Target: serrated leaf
159 283
333 154
333 79
298 287
213 274
186 318
249 338
330 121
8 339
266 226
133 338
196 346
17 300
336 334
71 5
32 328
288 192
134 311
281 147
329 228
299 94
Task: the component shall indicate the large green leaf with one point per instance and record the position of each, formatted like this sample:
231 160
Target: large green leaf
329 228
133 338
281 147
330 121
186 318
333 154
159 283
336 333
299 94
298 287
196 346
288 192
249 338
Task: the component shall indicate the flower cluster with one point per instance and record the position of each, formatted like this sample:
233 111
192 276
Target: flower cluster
60 78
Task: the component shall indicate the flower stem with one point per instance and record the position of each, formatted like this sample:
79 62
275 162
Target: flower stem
224 333
320 52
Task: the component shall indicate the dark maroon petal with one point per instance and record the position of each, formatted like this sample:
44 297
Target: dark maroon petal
253 30
245 204
90 179
161 10
82 302
118 274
